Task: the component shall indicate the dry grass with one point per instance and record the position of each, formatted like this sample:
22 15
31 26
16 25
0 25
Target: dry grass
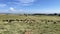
30 24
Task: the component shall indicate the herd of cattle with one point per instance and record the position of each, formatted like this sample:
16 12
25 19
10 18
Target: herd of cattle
31 20
51 21
19 20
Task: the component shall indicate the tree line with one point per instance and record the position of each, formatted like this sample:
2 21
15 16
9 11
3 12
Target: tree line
54 14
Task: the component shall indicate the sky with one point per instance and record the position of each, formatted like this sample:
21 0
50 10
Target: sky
29 6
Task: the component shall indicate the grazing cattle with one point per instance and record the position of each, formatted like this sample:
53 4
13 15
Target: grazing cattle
11 20
54 22
50 20
17 20
20 20
8 20
5 20
58 21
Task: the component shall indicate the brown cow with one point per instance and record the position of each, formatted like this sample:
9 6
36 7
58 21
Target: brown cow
27 32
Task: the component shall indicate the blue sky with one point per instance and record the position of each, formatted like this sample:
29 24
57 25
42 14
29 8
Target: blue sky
29 6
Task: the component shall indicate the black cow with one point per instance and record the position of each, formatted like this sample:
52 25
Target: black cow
5 20
17 20
8 20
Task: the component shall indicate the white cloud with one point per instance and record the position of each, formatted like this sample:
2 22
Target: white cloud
3 5
23 2
11 9
26 1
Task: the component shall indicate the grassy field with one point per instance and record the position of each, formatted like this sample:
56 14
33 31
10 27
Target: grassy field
29 24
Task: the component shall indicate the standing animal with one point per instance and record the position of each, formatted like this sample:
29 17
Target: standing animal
17 20
27 32
5 20
8 20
